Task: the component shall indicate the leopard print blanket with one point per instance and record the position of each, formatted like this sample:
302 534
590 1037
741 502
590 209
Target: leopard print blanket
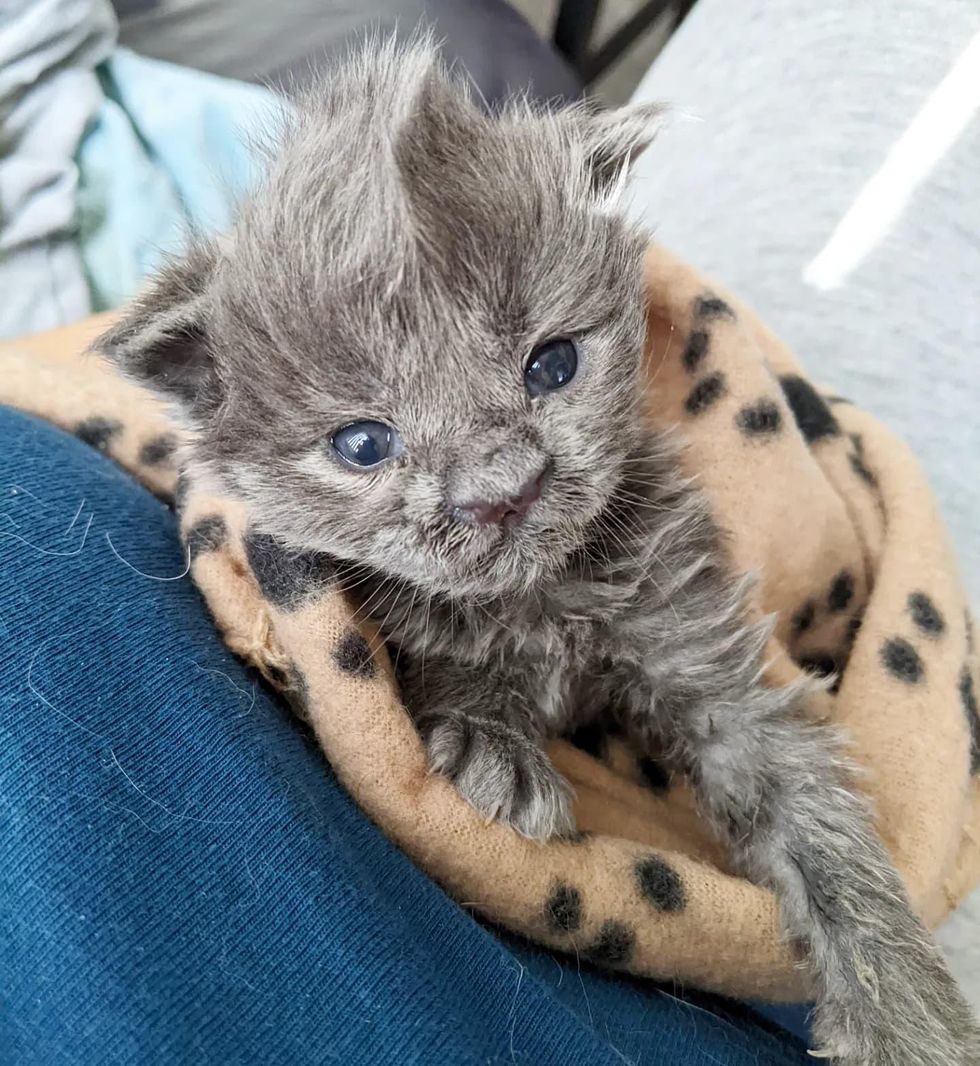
821 502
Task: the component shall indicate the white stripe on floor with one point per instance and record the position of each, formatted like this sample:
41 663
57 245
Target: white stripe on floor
941 119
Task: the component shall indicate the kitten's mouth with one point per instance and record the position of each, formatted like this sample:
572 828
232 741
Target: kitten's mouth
557 524
553 528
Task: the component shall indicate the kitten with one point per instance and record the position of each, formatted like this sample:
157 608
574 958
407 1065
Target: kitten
419 352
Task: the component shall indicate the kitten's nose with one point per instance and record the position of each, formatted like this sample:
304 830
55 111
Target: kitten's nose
509 511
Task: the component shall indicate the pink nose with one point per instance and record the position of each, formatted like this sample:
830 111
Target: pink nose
507 512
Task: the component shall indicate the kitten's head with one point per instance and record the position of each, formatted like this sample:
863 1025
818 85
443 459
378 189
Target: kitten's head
419 347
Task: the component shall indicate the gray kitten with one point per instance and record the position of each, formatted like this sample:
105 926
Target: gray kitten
418 352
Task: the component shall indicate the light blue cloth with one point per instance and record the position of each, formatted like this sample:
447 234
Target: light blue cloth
107 160
184 882
168 153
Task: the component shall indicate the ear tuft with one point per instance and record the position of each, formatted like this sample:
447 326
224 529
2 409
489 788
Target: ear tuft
615 139
161 340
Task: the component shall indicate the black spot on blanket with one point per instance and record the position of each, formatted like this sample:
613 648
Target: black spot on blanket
858 464
804 617
98 432
926 615
760 419
860 468
159 450
968 696
697 348
286 577
660 884
841 592
208 534
853 628
810 409
706 392
902 660
353 656
706 307
613 946
563 911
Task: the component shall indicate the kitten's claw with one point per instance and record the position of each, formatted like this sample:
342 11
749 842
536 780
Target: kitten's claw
502 773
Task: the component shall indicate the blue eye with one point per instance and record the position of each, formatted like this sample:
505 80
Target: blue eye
366 444
552 366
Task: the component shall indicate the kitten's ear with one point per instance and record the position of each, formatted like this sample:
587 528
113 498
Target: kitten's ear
439 114
161 340
614 139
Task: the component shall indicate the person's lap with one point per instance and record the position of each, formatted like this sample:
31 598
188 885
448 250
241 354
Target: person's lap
182 878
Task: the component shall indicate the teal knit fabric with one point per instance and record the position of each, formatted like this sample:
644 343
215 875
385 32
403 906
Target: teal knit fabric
183 881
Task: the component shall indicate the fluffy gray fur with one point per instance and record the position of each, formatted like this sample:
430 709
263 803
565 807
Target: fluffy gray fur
401 259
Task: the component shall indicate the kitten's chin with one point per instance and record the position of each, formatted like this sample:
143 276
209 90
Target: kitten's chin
522 559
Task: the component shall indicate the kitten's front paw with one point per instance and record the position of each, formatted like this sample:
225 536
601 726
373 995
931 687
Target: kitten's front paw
502 773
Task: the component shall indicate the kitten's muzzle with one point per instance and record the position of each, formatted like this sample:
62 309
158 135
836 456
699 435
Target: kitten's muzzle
508 511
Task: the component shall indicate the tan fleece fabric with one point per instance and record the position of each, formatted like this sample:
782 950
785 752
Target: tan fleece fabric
827 508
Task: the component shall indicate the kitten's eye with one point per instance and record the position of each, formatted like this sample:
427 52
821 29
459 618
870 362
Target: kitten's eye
552 366
366 444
